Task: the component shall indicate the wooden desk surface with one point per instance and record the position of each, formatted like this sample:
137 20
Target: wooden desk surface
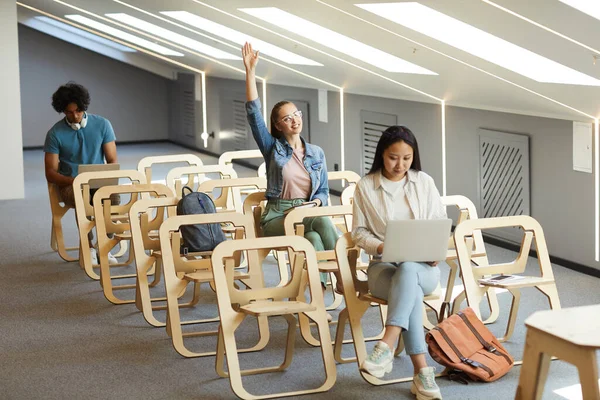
578 325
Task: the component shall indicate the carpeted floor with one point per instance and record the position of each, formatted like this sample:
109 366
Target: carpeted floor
61 339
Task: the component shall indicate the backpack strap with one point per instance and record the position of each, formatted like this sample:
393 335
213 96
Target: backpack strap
462 358
489 347
183 190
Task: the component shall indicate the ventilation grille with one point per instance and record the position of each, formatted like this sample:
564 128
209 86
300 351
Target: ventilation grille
189 113
240 126
504 177
373 124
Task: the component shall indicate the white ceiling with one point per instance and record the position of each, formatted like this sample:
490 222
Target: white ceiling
463 80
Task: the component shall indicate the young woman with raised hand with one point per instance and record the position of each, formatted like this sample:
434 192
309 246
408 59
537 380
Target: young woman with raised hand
296 170
395 188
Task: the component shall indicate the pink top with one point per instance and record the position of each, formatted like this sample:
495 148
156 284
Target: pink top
296 180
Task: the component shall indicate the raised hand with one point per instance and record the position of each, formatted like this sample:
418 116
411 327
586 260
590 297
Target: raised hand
249 56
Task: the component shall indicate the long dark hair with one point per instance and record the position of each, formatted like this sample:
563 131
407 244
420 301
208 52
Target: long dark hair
390 136
276 133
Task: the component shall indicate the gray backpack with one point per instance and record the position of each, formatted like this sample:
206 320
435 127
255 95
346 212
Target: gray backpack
198 237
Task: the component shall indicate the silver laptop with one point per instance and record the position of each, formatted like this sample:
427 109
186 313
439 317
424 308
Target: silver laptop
98 183
417 240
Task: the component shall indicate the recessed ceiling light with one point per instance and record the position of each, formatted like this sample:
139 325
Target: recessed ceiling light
173 37
475 41
588 7
239 38
79 32
123 35
335 41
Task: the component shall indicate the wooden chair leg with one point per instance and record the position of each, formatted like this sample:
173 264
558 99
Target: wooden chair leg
534 369
512 318
588 374
552 294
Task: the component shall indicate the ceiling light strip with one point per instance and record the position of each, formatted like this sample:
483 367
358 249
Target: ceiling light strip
140 49
320 51
342 135
204 134
443 148
150 36
491 3
226 44
459 61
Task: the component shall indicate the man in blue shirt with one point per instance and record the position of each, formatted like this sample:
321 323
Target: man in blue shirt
78 138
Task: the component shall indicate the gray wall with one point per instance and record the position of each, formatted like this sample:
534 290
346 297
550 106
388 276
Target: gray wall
135 101
562 200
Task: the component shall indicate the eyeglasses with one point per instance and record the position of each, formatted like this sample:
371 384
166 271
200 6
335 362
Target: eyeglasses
289 118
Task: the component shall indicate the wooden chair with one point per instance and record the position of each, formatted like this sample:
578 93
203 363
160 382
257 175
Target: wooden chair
146 163
254 205
196 268
147 253
285 301
327 260
57 239
463 241
349 178
571 334
450 305
358 300
84 210
112 232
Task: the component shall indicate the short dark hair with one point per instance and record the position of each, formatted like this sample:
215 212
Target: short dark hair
390 136
276 133
71 93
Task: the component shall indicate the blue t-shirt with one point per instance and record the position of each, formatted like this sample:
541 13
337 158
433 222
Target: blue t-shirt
83 146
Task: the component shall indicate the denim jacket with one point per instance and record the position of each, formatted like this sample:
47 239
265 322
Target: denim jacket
277 152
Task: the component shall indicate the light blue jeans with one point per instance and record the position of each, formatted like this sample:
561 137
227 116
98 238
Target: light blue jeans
404 285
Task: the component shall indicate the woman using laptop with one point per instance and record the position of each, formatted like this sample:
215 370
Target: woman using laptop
395 188
296 170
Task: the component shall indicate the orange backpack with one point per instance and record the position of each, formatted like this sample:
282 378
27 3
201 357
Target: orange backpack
463 342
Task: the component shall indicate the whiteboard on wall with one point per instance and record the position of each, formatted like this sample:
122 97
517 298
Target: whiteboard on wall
582 146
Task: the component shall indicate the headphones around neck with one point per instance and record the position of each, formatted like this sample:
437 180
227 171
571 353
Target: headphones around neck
78 125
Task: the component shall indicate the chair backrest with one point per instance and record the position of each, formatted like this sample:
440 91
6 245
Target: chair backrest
293 222
170 239
141 224
196 174
262 170
235 185
467 210
254 205
347 196
303 251
532 232
228 157
81 189
347 254
103 210
146 163
350 178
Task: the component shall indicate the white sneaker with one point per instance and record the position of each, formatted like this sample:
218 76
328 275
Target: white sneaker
112 260
94 256
380 361
424 385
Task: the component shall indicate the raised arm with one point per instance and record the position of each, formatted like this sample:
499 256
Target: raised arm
250 61
261 134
